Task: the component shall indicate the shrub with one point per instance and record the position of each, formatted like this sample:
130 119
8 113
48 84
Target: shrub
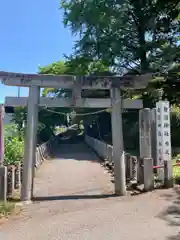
175 126
6 208
14 146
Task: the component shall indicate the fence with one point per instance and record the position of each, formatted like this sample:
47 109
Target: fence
138 171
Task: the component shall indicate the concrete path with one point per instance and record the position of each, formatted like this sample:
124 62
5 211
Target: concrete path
74 200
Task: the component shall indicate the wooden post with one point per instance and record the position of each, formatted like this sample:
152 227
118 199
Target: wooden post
153 136
117 140
11 178
128 166
3 183
134 168
145 133
109 153
148 174
168 176
2 113
21 172
18 176
3 169
144 140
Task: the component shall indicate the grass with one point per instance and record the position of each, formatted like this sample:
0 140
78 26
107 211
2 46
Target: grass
6 209
15 197
10 206
176 170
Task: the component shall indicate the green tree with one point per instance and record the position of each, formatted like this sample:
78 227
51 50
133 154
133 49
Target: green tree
129 34
74 65
56 68
14 147
19 118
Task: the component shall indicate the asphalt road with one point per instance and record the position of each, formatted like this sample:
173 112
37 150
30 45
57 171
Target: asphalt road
74 200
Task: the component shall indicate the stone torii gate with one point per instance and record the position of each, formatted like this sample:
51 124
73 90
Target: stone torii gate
77 83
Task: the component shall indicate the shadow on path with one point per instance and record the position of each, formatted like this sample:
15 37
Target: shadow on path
73 197
177 237
75 151
172 213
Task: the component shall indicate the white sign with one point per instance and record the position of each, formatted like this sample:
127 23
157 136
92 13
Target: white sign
163 132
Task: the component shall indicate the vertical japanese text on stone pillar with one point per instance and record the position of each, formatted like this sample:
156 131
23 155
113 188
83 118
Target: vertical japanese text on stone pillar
163 131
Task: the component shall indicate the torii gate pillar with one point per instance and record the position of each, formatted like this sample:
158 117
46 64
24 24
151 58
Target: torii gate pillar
30 143
117 140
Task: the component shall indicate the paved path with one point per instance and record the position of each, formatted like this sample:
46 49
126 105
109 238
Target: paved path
74 200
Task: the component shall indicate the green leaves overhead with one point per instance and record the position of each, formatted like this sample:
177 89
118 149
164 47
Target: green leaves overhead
129 34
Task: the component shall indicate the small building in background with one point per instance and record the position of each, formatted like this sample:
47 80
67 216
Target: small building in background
9 111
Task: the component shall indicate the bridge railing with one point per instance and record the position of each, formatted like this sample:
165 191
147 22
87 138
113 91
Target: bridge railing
138 171
45 150
14 172
102 149
105 152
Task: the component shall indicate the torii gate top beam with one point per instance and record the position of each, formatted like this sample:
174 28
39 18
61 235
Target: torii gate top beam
68 81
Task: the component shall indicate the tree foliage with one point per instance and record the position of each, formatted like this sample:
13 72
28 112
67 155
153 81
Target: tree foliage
14 147
128 34
56 68
119 37
76 66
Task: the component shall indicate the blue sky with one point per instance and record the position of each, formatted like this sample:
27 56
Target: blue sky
32 34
